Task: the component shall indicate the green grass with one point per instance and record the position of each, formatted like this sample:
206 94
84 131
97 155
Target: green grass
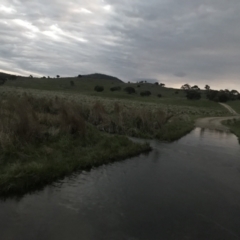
86 86
235 105
234 126
48 128
42 140
29 168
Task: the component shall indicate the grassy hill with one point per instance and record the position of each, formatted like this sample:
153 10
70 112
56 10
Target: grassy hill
85 85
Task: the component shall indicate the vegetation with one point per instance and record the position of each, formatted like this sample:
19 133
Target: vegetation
129 90
99 88
145 93
234 126
47 123
193 94
44 139
222 95
117 88
72 83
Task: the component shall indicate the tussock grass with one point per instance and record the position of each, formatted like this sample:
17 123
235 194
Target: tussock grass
42 140
234 126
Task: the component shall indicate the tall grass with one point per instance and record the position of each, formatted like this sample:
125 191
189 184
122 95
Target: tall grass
43 139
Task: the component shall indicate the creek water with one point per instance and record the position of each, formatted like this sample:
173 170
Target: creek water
189 189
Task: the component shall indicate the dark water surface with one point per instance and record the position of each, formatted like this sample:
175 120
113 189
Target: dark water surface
189 189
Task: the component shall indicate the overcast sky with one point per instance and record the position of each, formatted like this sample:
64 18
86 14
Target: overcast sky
172 41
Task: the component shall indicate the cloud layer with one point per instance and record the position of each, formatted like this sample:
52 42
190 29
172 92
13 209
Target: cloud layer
174 41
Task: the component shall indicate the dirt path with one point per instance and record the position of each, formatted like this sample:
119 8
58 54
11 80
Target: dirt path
215 123
230 109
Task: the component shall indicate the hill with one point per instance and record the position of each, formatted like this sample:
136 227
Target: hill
101 76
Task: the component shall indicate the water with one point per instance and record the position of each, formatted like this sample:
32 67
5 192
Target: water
189 189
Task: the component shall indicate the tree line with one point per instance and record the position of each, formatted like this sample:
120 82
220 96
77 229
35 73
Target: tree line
194 92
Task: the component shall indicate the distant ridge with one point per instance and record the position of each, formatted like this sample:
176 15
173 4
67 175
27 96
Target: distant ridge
102 76
2 74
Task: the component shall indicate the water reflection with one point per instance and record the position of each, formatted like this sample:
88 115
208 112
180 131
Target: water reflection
189 189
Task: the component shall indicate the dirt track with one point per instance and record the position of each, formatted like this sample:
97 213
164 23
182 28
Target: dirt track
214 123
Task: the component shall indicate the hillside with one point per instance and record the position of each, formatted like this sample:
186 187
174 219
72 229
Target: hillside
101 76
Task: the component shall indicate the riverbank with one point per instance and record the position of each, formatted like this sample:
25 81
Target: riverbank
46 137
42 142
225 124
234 126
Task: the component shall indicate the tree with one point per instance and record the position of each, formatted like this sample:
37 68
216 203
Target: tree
186 86
129 90
156 83
99 88
13 77
31 76
195 87
2 80
223 96
207 87
115 89
212 95
234 92
145 93
79 76
162 84
58 76
193 95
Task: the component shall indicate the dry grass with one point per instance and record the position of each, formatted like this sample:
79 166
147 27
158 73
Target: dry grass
43 139
38 117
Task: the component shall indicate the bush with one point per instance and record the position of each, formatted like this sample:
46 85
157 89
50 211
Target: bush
176 92
159 95
2 80
223 97
99 88
138 85
129 90
145 93
115 89
193 95
72 83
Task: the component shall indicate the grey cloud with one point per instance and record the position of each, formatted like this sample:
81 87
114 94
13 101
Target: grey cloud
162 39
180 74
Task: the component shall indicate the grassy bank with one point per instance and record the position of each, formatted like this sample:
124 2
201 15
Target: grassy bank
42 140
234 126
46 135
86 84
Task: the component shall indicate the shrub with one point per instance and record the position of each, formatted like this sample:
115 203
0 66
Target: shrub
159 95
2 80
72 83
223 97
193 94
145 93
99 88
115 89
138 85
129 90
176 92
